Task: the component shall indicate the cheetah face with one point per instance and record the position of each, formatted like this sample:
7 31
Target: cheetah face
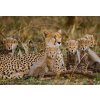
8 46
53 39
83 44
72 46
91 40
10 43
58 38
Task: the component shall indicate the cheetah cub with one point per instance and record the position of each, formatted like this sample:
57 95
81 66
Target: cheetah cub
84 45
10 44
73 54
91 40
94 59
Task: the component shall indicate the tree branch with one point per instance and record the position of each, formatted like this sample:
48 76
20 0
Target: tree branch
88 74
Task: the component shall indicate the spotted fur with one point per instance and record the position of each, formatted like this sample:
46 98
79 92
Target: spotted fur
83 47
91 40
86 43
73 55
55 59
17 67
10 44
33 64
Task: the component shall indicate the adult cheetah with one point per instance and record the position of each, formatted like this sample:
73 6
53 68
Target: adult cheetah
18 67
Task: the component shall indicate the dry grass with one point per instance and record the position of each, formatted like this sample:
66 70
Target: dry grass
31 28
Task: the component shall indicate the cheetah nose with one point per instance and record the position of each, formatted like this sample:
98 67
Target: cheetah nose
72 51
83 49
9 48
59 42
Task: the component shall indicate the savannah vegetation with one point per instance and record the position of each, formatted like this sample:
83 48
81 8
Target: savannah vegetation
31 28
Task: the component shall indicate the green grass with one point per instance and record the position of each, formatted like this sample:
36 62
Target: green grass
76 80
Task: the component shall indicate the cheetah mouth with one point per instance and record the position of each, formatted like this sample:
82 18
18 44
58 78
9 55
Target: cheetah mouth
58 44
72 53
9 50
84 49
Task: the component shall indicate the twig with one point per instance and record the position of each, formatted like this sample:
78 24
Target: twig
77 65
51 74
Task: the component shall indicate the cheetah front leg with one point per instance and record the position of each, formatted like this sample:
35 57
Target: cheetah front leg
38 71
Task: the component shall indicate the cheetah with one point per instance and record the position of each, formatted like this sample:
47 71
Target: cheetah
10 44
55 61
86 42
34 64
94 60
73 54
84 45
17 67
91 40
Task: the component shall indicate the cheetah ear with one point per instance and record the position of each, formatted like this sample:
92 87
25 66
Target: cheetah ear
46 33
66 43
78 41
30 41
60 31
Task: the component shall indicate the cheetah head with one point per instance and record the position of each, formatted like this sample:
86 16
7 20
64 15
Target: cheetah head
72 46
83 44
9 43
53 39
91 40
